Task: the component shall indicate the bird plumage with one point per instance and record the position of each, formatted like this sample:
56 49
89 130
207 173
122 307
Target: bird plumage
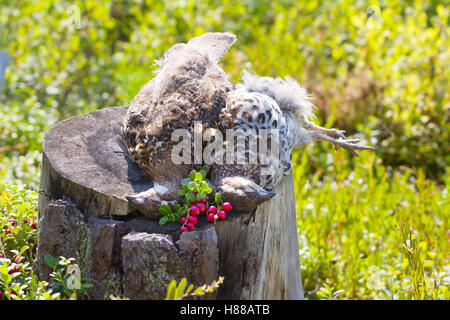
190 87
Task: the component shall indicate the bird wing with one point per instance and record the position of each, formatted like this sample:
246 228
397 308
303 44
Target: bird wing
189 87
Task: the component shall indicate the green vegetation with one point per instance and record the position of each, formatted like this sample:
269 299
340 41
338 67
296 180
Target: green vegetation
179 292
370 228
349 220
18 239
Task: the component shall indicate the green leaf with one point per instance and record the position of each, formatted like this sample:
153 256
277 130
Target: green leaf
198 177
203 173
180 289
322 295
218 198
6 278
181 192
24 248
189 289
49 260
171 290
4 268
208 182
190 197
192 185
198 291
165 209
185 181
200 196
205 168
163 220
176 207
206 188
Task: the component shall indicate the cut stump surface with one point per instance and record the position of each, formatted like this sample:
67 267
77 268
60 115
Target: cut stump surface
86 175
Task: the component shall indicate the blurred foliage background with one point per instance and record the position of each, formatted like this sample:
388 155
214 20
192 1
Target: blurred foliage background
378 69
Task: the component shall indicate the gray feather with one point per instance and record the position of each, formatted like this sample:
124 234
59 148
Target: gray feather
289 95
213 44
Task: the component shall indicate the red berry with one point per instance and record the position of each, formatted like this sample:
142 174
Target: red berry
194 202
13 222
203 200
25 221
226 206
222 215
14 270
1 294
193 220
183 220
212 209
210 217
202 207
34 226
190 226
183 229
13 292
194 211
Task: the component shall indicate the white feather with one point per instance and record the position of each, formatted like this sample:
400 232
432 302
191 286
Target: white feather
290 96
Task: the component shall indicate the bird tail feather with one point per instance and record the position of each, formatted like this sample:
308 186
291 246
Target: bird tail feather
213 44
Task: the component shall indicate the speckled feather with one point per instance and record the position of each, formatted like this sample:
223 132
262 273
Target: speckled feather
251 112
189 86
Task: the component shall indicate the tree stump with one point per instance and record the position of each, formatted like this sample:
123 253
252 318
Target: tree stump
83 213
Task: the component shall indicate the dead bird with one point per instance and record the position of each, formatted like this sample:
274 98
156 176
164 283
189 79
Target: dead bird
190 87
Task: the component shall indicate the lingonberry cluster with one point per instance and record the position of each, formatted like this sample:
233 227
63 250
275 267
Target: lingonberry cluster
202 207
11 223
199 199
11 292
14 268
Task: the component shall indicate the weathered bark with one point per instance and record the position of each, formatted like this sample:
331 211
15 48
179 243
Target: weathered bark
259 252
122 252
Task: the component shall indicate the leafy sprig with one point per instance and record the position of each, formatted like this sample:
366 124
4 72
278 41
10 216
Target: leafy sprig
179 292
66 276
196 186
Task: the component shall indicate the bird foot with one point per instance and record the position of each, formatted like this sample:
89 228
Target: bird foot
335 133
244 194
351 145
